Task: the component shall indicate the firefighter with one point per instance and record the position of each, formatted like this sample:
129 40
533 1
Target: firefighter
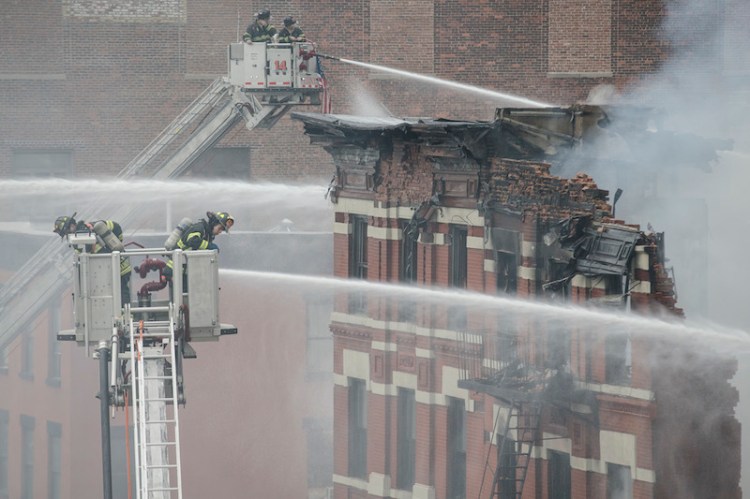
65 225
260 31
291 32
200 236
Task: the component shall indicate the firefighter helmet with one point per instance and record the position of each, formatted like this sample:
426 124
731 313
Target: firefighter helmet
222 218
62 224
289 21
264 14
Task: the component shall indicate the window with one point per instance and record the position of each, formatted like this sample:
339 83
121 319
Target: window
456 449
619 482
407 308
54 459
507 458
27 457
357 428
41 163
3 454
506 272
54 354
617 359
27 356
558 345
558 475
319 355
222 162
458 256
358 262
407 439
408 267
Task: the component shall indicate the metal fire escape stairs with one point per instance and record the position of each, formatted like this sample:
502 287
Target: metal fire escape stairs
515 448
45 276
155 386
518 388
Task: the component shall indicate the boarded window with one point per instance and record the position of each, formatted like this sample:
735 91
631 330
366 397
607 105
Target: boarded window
54 460
458 256
358 262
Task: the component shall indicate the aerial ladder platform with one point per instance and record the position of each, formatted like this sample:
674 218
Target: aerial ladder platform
263 82
141 347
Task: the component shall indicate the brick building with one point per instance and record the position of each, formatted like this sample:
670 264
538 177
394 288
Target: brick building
85 85
440 398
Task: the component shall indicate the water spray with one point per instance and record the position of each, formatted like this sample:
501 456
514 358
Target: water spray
446 83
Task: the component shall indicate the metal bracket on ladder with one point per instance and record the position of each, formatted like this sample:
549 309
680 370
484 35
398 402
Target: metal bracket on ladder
157 432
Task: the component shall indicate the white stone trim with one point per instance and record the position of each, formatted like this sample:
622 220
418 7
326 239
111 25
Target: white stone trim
385 347
528 249
342 228
356 364
490 266
422 491
582 281
641 258
475 242
384 233
356 483
423 353
618 390
379 485
641 287
405 380
527 273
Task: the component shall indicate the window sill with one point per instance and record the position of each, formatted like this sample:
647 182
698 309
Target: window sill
54 382
27 376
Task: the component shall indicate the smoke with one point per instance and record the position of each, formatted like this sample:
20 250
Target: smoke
675 181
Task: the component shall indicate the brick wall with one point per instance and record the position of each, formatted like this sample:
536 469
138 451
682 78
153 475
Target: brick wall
104 78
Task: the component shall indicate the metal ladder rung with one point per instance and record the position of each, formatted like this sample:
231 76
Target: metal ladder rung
163 356
157 377
163 489
165 399
161 421
156 444
158 466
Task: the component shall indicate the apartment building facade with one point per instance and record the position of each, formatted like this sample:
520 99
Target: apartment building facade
448 398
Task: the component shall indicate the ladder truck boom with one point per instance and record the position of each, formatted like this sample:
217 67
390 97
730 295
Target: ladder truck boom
262 83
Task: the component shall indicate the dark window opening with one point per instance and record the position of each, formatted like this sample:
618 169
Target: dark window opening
456 449
508 463
558 475
506 272
118 440
357 428
407 308
27 357
617 359
558 345
458 256
54 460
222 162
358 262
27 457
407 439
619 482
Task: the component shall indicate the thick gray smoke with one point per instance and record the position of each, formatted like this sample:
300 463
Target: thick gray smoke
677 183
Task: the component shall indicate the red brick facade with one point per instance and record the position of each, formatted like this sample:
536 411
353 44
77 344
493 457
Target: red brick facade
616 402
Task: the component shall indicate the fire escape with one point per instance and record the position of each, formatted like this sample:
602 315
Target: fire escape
520 389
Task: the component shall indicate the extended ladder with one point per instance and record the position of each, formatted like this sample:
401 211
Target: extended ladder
514 451
154 386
